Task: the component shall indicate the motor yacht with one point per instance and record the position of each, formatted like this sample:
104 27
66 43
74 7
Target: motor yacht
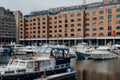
53 60
104 52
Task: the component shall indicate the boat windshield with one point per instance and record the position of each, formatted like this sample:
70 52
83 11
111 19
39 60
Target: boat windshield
48 50
15 63
42 49
103 49
22 63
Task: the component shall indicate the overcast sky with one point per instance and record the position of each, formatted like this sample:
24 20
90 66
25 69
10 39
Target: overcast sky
27 6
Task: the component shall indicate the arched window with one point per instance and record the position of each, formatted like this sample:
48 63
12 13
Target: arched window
109 28
118 27
72 35
78 14
118 16
101 28
87 29
118 10
101 34
101 12
94 29
87 35
94 34
79 29
118 33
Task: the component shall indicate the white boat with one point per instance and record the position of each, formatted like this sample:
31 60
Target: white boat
104 52
83 51
53 60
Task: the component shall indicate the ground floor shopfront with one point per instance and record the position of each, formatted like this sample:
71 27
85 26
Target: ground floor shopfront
71 41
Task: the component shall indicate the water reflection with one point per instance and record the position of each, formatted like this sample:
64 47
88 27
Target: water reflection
97 69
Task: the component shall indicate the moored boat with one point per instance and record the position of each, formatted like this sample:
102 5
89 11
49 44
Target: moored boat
52 61
104 52
83 51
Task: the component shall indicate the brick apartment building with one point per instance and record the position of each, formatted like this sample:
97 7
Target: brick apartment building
95 23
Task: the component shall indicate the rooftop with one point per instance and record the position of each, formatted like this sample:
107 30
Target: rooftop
76 8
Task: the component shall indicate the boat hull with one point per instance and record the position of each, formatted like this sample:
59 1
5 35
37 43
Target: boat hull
31 76
81 55
104 56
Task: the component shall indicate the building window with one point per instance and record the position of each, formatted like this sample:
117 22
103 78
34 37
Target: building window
66 21
43 31
87 14
109 34
72 15
101 12
55 22
43 27
87 29
78 19
94 18
38 36
60 26
101 17
101 34
87 19
118 16
43 22
109 22
118 10
34 19
118 22
65 16
78 14
79 24
60 30
72 35
94 34
118 27
87 35
72 25
87 24
38 19
60 16
43 18
78 29
94 24
72 20
38 27
101 23
109 28
55 17
118 33
109 11
101 28
60 21
55 31
66 25
38 23
50 18
94 13
72 30
34 36
55 26
39 31
94 29
109 16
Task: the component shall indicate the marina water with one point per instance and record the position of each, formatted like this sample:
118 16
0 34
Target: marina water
97 69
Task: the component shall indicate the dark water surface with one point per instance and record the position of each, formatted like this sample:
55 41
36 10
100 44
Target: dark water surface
97 69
